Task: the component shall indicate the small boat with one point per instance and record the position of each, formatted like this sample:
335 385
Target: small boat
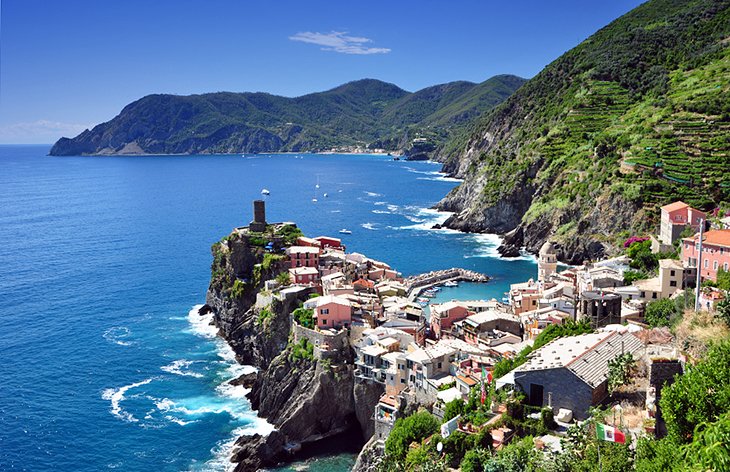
451 283
345 231
422 300
265 192
314 199
325 195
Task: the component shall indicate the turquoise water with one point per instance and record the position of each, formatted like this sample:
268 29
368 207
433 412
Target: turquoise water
103 259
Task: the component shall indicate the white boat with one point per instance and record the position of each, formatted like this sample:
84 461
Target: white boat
325 195
451 283
314 199
265 192
422 300
345 231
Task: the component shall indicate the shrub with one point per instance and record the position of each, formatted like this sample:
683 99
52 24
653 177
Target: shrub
304 316
454 408
659 312
264 315
301 350
413 428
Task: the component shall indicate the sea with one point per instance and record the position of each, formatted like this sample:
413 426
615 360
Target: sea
105 364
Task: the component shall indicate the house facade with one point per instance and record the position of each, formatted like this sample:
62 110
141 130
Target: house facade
444 316
333 312
303 256
715 252
675 218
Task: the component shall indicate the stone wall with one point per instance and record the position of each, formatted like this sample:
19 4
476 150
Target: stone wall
326 345
561 387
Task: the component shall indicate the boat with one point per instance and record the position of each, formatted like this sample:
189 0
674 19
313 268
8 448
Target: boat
314 199
422 300
265 192
451 283
345 231
325 195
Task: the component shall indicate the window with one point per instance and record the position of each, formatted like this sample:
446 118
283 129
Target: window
653 295
324 311
672 273
402 381
324 322
643 294
724 266
714 265
707 263
672 283
439 365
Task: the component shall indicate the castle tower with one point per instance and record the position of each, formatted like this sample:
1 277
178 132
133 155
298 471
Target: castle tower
547 262
259 217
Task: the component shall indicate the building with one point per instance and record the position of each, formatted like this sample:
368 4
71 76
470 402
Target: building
572 372
675 218
259 217
715 252
444 315
303 256
333 312
478 325
600 308
328 242
670 280
304 275
547 262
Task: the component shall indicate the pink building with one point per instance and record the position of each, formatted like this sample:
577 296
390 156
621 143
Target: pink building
304 275
675 218
443 316
303 256
715 252
333 312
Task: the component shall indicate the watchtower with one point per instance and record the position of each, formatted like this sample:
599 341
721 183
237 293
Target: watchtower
259 217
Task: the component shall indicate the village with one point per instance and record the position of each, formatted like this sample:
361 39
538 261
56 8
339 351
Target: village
433 355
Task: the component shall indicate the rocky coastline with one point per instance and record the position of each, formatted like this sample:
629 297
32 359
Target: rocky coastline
308 401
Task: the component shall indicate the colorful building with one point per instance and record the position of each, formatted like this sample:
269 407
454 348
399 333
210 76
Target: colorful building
444 316
304 275
675 218
303 256
333 312
715 252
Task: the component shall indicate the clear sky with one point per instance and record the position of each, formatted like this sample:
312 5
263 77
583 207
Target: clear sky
67 65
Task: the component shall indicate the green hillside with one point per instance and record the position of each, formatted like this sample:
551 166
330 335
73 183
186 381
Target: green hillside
366 113
634 117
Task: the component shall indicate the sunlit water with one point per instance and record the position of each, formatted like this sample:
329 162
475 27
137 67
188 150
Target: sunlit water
105 364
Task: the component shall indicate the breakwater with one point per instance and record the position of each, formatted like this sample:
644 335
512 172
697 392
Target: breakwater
418 283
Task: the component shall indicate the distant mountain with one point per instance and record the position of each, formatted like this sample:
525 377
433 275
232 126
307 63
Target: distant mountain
635 117
366 114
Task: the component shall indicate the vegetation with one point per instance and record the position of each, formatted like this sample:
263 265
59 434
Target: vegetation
414 428
660 312
642 259
695 408
290 234
619 371
283 279
263 316
304 317
634 117
361 113
238 289
301 350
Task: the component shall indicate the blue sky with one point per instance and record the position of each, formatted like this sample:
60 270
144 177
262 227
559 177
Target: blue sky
67 65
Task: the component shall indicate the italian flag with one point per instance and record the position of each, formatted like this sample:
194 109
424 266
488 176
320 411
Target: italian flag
609 433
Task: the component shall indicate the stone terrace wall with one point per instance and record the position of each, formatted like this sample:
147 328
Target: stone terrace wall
337 343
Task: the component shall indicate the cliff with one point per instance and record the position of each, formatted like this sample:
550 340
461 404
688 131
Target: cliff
587 151
364 114
308 395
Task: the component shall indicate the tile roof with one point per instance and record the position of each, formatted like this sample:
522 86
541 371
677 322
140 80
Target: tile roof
585 355
675 206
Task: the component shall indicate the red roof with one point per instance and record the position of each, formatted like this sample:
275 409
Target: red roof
674 206
718 237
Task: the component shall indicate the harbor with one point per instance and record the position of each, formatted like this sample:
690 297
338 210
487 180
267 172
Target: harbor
417 284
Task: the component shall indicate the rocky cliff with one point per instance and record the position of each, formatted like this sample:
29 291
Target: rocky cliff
306 398
587 151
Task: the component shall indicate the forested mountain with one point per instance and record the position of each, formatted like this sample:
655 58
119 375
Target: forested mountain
366 113
584 153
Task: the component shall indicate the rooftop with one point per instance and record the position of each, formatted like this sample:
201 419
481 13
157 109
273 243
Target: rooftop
490 315
302 250
585 355
304 271
670 264
679 205
327 299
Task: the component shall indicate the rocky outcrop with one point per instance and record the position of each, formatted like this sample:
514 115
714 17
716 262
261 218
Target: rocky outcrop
370 457
306 398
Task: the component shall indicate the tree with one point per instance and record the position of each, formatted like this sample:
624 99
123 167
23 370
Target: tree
413 428
619 370
701 395
723 279
710 449
659 312
454 408
474 460
723 311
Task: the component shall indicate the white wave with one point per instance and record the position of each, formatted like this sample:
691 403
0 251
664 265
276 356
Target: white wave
426 218
202 325
381 212
335 211
116 396
176 367
392 208
223 451
442 178
370 226
373 194
117 335
179 421
488 244
380 203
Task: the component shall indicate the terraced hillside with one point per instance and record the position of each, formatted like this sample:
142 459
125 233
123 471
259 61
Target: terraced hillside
636 116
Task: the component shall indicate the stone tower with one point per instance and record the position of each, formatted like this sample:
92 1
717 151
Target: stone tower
259 217
547 262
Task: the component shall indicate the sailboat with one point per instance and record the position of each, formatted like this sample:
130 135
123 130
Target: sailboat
314 199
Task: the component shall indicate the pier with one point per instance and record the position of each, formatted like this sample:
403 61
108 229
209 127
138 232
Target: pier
418 283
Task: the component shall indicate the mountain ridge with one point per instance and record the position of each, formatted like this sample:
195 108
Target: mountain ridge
585 153
366 113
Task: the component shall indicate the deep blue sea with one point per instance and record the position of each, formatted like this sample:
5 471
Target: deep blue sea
102 261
